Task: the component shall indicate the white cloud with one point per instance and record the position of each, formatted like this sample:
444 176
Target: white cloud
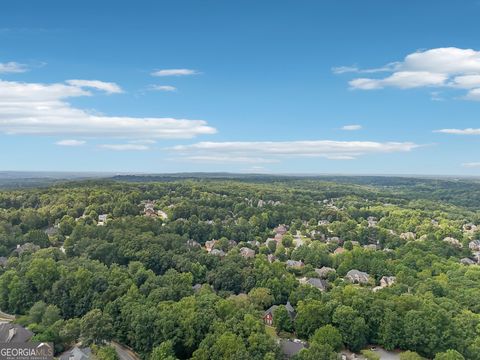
473 95
450 60
471 165
436 96
163 88
271 151
351 127
124 147
70 142
402 80
108 87
468 131
440 67
143 141
356 69
466 81
12 67
230 159
174 72
345 69
41 109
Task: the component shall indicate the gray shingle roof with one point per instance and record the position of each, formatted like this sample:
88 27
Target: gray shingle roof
77 354
318 283
14 333
288 306
357 276
324 271
291 348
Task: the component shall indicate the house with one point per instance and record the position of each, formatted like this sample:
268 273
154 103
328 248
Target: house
268 315
290 348
408 236
162 214
27 247
452 241
357 277
467 261
14 333
210 244
269 240
148 204
324 271
372 221
271 258
474 245
290 310
51 231
149 209
280 230
278 238
217 252
295 264
339 250
469 228
371 247
314 234
247 252
320 284
77 354
102 219
323 222
387 281
254 243
297 240
193 244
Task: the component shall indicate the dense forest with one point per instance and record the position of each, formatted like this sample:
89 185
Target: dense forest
191 267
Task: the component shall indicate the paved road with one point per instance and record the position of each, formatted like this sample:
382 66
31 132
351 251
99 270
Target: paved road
124 353
384 355
388 355
5 318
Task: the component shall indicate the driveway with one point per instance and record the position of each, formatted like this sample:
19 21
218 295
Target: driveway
124 353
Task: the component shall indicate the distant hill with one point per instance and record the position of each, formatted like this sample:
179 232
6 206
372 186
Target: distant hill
22 179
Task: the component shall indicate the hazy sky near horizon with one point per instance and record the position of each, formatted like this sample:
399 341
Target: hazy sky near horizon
289 86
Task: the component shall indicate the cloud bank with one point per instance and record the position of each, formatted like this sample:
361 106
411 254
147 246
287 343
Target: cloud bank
271 151
124 147
71 142
42 109
167 88
174 72
12 67
468 131
108 87
440 67
351 127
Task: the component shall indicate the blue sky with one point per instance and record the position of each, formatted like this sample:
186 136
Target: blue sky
241 86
